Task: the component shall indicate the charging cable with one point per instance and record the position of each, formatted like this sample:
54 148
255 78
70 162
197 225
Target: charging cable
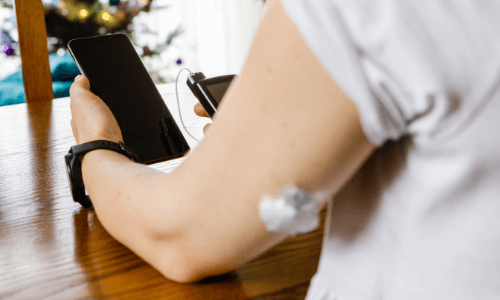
179 104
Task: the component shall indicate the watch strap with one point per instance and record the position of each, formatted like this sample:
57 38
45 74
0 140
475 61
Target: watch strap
73 161
119 147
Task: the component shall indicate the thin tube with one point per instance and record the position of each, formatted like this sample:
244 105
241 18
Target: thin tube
179 104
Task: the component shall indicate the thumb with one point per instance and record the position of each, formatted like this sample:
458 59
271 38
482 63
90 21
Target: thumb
82 82
205 129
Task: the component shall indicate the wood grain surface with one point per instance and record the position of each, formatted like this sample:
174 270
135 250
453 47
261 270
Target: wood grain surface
34 52
51 248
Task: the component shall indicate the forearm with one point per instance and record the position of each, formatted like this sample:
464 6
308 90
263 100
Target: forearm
124 194
114 184
170 223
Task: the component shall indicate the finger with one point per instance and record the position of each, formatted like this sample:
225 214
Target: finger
81 84
200 111
205 129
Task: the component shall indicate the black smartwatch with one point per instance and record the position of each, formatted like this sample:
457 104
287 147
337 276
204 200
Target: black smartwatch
74 165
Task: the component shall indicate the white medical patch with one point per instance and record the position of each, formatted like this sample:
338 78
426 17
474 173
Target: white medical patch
292 212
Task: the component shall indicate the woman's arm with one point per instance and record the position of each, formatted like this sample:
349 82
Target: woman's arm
284 121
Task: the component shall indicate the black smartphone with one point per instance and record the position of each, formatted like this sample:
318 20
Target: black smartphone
209 91
118 76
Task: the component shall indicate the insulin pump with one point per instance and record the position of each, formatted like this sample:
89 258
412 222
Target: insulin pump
209 91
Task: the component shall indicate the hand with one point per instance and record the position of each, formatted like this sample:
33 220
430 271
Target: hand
200 111
92 119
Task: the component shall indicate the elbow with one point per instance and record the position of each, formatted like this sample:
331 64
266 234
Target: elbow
180 273
182 256
167 257
183 268
184 265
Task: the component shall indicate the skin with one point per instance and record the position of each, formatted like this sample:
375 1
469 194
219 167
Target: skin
283 122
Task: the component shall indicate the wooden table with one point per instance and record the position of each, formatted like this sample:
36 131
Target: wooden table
51 248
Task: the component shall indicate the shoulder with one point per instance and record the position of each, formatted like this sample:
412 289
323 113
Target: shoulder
411 68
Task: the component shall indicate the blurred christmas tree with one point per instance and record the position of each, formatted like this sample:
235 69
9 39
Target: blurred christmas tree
69 19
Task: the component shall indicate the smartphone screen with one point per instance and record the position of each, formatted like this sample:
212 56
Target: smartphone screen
118 76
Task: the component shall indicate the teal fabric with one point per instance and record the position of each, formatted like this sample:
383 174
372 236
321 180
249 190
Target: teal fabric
63 70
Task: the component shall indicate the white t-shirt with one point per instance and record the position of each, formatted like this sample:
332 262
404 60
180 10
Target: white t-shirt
422 219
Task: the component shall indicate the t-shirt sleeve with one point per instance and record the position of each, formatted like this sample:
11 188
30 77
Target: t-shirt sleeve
348 49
